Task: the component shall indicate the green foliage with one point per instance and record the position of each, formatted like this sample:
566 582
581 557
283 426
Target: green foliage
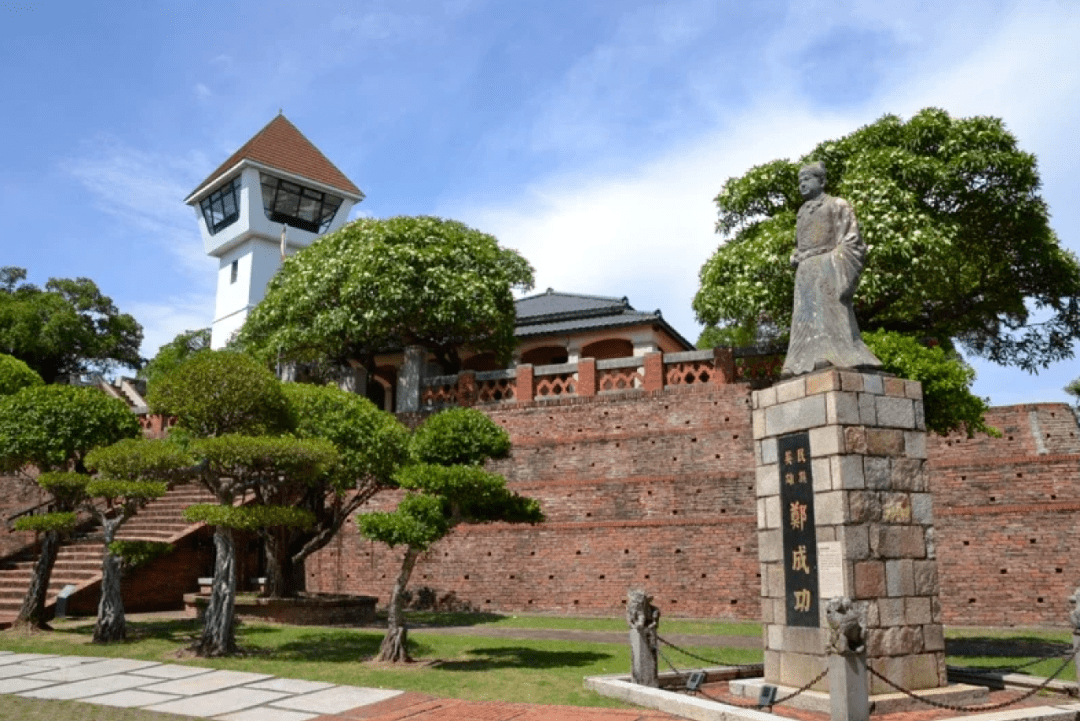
16 375
734 336
249 518
67 488
60 522
251 459
69 327
371 443
960 246
53 427
1073 389
418 521
135 458
448 485
948 401
470 493
171 355
138 553
218 392
379 284
127 490
459 435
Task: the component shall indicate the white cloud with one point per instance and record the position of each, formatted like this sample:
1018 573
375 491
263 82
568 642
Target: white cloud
202 92
145 192
645 232
163 321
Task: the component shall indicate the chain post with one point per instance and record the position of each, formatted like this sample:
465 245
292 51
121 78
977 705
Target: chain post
849 686
644 621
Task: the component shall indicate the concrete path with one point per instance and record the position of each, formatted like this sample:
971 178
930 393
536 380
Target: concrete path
241 696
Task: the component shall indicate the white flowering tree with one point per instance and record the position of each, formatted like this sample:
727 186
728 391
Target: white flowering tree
378 285
961 253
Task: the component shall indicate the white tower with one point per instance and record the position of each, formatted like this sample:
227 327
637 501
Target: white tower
276 194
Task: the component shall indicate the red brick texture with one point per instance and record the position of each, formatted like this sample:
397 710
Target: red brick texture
655 489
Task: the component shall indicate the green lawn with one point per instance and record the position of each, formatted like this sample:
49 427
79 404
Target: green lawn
468 667
480 667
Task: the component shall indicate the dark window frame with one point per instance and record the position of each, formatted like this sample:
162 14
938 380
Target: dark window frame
288 202
216 208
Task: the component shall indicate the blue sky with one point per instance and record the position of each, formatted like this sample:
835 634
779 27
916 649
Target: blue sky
590 136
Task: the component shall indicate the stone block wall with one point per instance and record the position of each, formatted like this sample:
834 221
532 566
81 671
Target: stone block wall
865 443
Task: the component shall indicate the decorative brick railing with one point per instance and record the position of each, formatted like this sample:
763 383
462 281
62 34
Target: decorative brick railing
590 377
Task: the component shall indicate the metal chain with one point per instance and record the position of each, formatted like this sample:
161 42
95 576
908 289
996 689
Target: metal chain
780 700
706 660
988 707
793 694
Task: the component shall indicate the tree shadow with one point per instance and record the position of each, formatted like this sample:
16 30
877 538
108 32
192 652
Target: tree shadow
1007 647
323 646
522 657
435 619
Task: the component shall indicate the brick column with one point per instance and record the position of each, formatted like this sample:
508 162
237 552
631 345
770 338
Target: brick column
523 383
724 363
586 377
466 388
654 371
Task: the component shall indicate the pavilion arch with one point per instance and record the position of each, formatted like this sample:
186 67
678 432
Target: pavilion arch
545 355
608 348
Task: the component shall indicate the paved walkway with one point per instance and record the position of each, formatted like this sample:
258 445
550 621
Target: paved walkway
241 696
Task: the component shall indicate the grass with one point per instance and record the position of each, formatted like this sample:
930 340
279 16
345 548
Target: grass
467 667
495 620
477 667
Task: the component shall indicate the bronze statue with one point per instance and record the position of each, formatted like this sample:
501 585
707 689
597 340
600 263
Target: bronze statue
829 257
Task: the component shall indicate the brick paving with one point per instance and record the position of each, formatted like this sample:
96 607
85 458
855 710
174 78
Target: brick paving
420 707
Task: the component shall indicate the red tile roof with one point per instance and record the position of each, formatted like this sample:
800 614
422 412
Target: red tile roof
280 145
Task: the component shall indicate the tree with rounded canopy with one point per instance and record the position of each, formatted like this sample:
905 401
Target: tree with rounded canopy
174 353
382 285
67 328
16 375
371 445
51 429
960 247
446 485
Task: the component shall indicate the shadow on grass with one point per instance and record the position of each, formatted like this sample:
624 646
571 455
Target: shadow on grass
324 647
522 657
1011 647
434 619
175 631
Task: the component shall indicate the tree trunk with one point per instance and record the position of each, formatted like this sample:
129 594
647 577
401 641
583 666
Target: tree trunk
395 646
111 624
219 635
277 553
32 612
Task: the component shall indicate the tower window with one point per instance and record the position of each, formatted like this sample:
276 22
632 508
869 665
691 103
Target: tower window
295 205
222 207
234 270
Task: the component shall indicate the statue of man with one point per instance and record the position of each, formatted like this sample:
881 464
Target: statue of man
829 258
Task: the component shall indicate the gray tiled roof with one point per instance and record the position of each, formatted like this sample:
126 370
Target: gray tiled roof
557 313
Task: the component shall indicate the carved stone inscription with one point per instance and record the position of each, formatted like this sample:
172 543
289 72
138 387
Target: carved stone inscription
800 537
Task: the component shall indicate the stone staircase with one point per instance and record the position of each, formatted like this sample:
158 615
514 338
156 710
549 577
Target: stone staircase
78 562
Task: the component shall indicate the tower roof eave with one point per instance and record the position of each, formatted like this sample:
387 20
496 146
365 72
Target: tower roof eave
281 146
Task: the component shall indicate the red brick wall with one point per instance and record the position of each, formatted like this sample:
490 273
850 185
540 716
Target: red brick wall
656 490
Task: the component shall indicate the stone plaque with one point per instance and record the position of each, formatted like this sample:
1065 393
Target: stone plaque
830 570
800 536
